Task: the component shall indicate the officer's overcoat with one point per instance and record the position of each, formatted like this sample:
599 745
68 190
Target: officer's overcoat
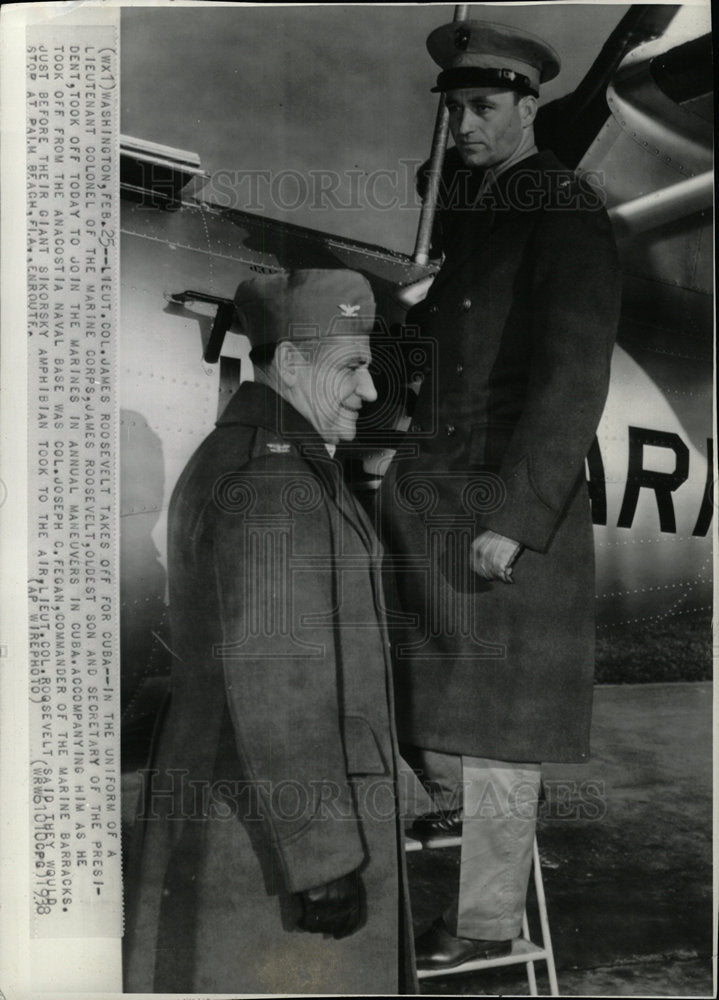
523 315
274 770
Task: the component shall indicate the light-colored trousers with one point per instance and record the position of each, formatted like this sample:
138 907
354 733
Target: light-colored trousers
500 815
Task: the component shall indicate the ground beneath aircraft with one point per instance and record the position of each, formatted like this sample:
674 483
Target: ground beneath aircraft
677 648
629 888
666 976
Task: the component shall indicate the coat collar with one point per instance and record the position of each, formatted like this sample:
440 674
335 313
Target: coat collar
529 184
538 166
537 169
257 405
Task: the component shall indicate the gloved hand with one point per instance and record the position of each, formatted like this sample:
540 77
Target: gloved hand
493 556
336 908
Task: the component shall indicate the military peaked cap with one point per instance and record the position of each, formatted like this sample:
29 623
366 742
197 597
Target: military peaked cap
482 54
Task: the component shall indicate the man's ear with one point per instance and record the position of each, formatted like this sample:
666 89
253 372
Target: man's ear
527 110
287 359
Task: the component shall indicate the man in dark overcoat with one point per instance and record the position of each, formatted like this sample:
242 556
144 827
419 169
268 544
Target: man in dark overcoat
268 858
488 524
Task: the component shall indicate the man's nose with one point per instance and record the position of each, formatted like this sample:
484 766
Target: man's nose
466 121
365 386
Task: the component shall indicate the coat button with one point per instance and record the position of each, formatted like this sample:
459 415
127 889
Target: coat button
460 368
450 429
433 309
416 427
466 304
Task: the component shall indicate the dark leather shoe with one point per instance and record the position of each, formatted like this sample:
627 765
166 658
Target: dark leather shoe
438 949
438 828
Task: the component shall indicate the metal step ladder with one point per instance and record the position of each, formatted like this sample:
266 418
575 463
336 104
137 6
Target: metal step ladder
524 950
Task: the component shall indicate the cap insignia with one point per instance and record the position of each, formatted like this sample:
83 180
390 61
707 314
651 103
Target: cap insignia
461 38
347 310
278 447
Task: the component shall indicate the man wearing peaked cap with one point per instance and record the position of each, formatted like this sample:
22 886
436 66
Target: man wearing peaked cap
495 570
270 858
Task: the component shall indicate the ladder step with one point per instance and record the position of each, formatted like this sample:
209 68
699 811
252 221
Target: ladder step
414 844
523 951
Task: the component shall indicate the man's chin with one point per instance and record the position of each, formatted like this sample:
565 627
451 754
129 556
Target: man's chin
474 158
339 432
346 428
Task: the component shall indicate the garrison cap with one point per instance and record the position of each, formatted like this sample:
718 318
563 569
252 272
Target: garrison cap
483 54
304 305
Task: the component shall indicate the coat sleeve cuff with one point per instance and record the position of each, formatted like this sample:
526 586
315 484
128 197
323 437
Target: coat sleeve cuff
523 515
327 848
